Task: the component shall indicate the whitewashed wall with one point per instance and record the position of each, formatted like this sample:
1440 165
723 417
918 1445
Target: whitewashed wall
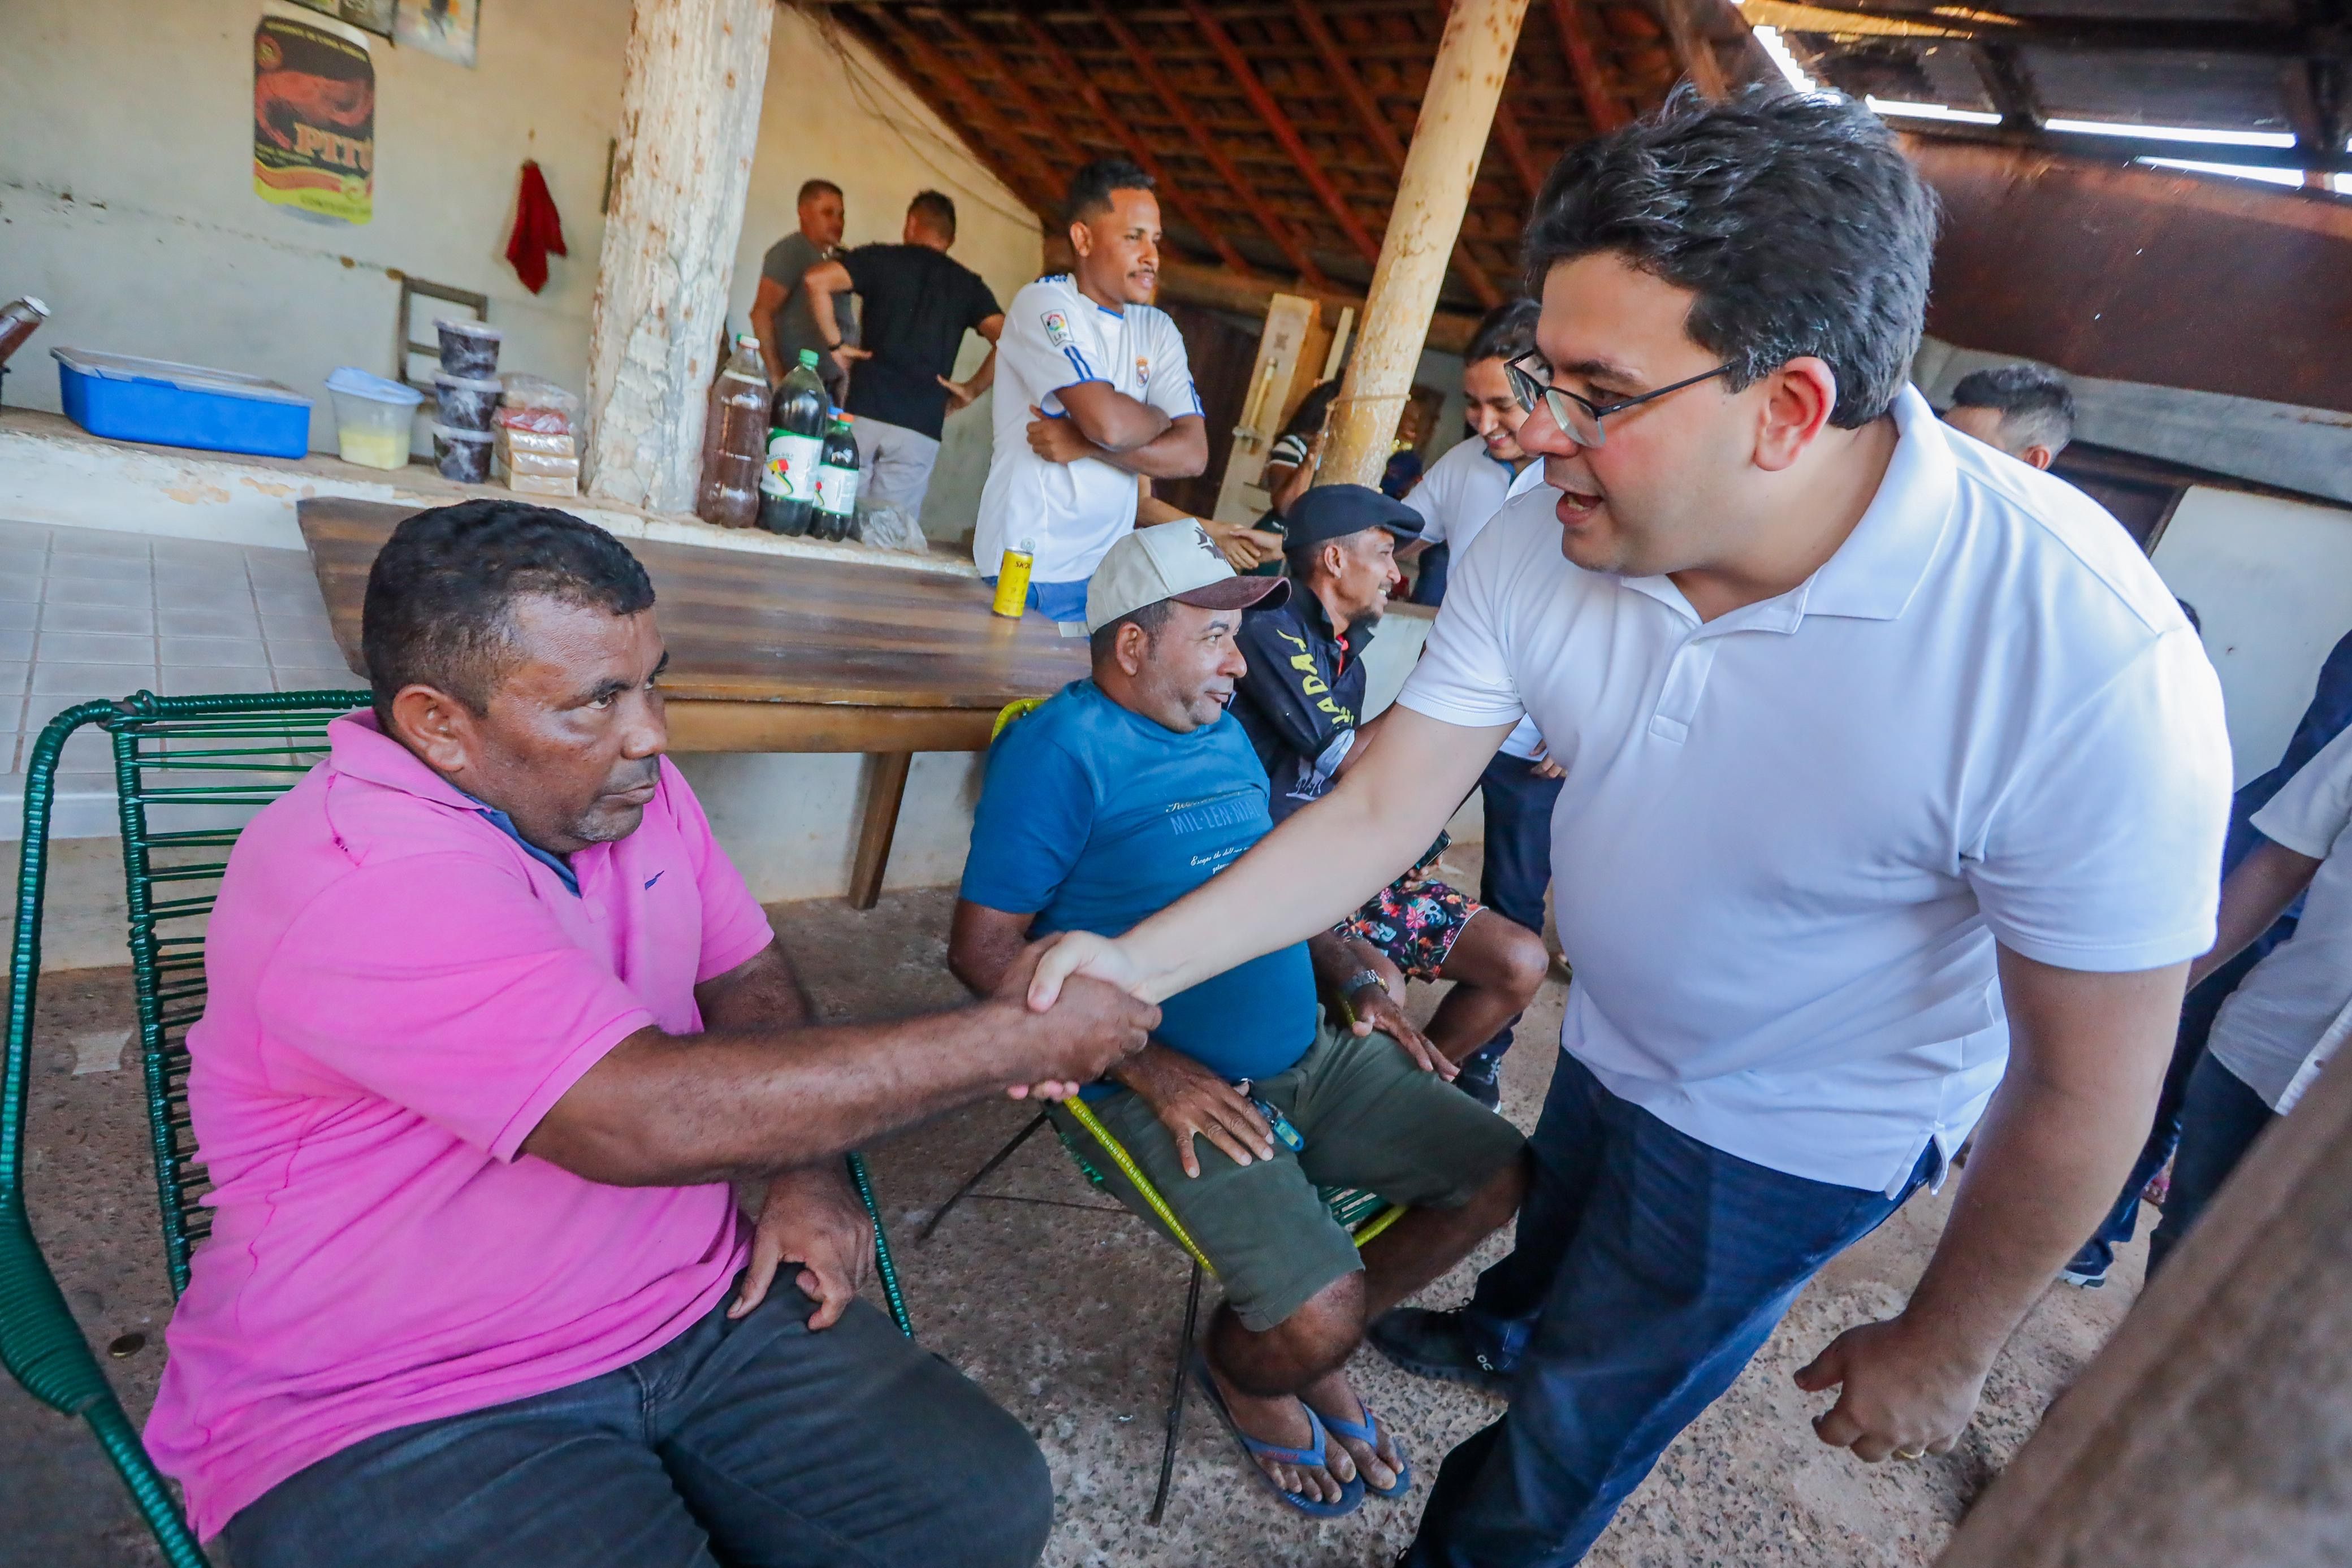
2272 581
126 198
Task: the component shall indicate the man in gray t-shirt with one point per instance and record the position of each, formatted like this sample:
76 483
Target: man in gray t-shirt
779 314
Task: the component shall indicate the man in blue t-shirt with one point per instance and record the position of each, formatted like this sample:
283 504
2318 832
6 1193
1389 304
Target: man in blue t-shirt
1113 799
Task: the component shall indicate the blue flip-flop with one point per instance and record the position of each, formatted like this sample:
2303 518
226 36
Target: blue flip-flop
1351 1495
1368 1434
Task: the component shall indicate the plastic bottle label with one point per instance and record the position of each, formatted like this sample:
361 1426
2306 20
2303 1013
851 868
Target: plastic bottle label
836 490
790 474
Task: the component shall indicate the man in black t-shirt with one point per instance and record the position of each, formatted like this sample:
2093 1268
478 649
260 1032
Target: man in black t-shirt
917 306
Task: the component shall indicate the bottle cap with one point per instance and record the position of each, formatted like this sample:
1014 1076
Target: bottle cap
747 342
36 307
808 357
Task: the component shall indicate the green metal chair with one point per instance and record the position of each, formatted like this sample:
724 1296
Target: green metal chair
188 772
1363 1215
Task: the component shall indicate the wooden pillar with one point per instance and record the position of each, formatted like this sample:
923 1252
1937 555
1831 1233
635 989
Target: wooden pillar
692 76
1456 115
2216 1427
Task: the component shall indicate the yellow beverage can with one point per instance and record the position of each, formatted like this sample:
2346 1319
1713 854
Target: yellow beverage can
1013 580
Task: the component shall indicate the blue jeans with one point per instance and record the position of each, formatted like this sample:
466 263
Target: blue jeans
1429 576
1650 1268
1055 600
753 1443
2198 1011
2220 1120
1518 854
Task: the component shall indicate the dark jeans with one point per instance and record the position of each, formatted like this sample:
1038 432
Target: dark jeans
2220 1120
1429 576
1518 854
2198 1011
750 1443
1650 1268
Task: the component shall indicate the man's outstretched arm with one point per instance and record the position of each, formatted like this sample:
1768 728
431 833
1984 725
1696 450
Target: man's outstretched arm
2087 1054
674 1110
1318 866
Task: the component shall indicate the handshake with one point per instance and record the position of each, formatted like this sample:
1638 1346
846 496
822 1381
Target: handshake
1072 1015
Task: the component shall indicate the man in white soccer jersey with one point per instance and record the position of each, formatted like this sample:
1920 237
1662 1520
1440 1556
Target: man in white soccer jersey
1093 390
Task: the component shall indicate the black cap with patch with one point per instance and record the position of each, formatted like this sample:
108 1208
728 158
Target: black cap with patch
1330 512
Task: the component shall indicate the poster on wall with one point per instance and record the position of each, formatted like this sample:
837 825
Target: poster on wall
313 119
375 15
445 28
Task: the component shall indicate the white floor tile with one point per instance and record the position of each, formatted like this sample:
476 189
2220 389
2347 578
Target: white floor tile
60 588
97 648
117 618
221 622
215 651
89 680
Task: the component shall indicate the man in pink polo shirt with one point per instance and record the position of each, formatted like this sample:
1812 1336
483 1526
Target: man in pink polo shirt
493 1023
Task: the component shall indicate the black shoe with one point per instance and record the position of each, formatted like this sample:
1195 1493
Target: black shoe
1481 1077
1433 1344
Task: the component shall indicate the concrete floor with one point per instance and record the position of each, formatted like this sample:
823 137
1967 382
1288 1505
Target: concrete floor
1066 1310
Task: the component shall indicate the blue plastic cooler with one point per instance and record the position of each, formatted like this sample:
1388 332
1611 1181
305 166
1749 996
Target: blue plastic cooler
130 399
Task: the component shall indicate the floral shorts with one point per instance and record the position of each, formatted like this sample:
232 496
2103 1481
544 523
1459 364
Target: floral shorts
1414 922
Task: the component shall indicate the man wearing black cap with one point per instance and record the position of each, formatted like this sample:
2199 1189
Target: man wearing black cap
1114 798
1302 703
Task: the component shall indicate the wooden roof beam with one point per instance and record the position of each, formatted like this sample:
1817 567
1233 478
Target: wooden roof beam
1278 123
1384 137
1193 212
1693 49
1019 167
1605 107
1521 156
1042 114
2269 39
1276 229
2008 84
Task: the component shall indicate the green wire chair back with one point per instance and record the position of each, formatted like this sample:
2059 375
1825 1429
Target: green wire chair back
189 772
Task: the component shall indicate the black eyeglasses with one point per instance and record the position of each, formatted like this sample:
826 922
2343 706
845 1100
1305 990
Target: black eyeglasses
1580 418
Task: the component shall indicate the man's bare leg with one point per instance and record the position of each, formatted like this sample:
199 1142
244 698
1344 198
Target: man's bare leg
1497 965
1265 1377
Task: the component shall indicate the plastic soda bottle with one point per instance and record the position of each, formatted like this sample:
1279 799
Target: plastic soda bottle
836 483
733 445
797 421
1012 580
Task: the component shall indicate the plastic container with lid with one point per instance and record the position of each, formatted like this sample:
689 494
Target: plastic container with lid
462 455
468 348
462 403
125 398
374 418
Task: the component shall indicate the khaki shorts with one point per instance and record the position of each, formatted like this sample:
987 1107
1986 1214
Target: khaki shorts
1371 1119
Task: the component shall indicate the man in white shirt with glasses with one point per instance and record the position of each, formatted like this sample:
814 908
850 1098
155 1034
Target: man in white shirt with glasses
1895 786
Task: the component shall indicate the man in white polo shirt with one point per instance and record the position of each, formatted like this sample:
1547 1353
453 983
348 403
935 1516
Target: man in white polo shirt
1092 390
1889 763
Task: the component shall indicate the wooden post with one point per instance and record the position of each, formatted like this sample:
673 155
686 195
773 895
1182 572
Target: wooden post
2215 1426
690 87
1456 113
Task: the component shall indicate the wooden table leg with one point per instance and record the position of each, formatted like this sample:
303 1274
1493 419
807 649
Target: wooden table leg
883 795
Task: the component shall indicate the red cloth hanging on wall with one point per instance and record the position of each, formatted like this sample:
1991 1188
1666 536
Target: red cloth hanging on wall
538 230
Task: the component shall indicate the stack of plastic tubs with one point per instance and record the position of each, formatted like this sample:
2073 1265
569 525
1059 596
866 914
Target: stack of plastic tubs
466 394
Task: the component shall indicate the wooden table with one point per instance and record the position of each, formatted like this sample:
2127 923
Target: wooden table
789 654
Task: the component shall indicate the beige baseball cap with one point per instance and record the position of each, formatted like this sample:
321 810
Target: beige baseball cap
1171 561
